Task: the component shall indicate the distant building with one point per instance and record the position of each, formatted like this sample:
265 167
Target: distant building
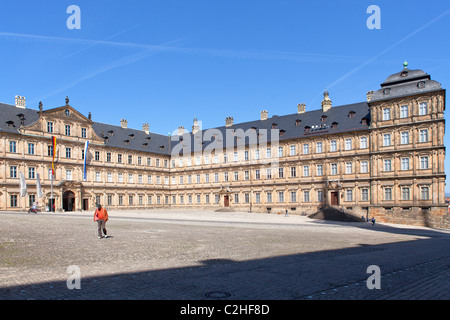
381 158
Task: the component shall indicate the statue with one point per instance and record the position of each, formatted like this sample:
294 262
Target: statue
67 100
40 106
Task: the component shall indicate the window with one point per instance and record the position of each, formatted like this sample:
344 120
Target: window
404 137
119 158
319 170
130 159
97 176
386 139
319 195
319 148
158 179
349 195
293 172
207 198
257 174
13 200
216 177
130 178
334 168
120 177
363 143
269 173
31 172
257 197
387 165
424 162
348 144
130 200
404 111
257 154
293 196
292 153
236 176
388 194
386 114
246 197
306 171
31 148
280 196
157 162
405 164
225 176
245 155
364 194
246 175
206 177
306 196
424 193
198 198
67 130
306 148
198 178
108 157
423 135
268 153
423 108
50 127
364 166
405 193
13 146
13 172
149 179
280 172
269 197
333 145
348 168
109 177
68 175
68 152
280 152
149 161
109 200
236 198
83 132
97 155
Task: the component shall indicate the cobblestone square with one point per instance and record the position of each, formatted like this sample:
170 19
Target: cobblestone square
201 255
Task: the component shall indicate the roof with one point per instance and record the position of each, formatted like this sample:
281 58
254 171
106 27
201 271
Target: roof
405 83
346 118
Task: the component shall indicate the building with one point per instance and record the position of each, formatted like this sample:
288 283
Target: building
381 158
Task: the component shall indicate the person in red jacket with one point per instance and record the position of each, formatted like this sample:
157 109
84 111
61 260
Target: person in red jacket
101 216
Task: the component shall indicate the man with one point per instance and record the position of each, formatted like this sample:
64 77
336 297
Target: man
101 216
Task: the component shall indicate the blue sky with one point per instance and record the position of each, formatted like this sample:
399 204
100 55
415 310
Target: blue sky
166 62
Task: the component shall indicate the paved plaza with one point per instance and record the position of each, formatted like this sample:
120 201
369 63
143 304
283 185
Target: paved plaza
202 255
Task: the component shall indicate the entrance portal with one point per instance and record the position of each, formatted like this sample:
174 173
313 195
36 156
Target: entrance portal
334 198
85 204
226 200
68 201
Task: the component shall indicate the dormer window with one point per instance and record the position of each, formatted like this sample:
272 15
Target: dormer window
307 128
324 118
127 142
364 121
421 84
148 138
351 114
10 123
131 136
297 122
162 147
111 132
404 74
387 91
145 144
334 125
274 125
282 132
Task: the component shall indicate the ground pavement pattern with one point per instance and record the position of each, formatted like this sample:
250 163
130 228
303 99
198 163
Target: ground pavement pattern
201 255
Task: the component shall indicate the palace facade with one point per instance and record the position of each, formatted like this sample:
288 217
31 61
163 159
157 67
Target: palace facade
381 158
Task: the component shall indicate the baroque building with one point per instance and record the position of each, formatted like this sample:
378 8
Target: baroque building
381 158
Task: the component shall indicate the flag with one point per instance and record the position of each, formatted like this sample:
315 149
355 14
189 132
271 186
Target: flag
86 145
38 187
23 185
54 152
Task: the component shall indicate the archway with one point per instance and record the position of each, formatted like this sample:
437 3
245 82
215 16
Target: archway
68 201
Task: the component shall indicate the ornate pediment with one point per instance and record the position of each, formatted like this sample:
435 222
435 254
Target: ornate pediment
67 113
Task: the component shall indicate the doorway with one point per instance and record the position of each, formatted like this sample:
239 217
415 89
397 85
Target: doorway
68 201
334 198
226 200
85 204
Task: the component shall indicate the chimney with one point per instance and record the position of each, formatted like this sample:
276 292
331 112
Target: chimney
326 102
301 108
369 95
264 115
228 121
146 128
124 123
180 130
195 127
20 102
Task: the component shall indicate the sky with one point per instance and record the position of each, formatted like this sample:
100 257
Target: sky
168 62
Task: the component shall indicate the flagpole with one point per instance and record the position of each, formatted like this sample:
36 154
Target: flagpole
51 196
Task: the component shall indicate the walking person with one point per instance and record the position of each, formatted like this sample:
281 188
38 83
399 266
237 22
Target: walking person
286 214
101 216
